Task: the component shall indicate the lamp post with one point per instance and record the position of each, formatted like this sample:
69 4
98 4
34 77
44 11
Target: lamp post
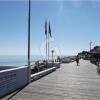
52 51
29 17
90 45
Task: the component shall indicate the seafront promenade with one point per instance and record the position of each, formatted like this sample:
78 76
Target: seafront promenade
69 82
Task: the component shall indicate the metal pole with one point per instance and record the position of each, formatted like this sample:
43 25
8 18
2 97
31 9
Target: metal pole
46 38
46 50
29 69
90 45
48 47
52 57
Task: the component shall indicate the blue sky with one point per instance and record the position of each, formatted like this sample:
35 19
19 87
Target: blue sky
73 23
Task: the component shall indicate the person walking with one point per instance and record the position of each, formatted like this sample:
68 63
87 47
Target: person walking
77 60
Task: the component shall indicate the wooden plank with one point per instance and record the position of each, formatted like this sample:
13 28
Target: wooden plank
70 82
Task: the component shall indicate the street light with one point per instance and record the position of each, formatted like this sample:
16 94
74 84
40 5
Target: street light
29 17
52 51
90 45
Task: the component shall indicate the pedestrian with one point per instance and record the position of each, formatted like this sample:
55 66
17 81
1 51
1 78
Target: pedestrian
77 60
97 61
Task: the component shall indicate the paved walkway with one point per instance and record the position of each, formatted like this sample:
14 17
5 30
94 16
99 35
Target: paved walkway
70 82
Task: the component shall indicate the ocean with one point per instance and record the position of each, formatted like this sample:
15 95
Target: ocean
9 60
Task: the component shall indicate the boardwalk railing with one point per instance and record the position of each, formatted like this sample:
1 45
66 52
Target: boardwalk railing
16 78
12 79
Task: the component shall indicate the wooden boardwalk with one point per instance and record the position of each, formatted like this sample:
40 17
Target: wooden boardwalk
70 82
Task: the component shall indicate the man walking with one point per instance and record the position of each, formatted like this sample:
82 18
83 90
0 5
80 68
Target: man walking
77 60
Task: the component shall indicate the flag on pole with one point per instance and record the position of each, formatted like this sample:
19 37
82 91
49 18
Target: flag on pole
45 27
50 30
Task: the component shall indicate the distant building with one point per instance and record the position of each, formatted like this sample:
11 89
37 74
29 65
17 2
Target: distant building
84 55
96 49
95 55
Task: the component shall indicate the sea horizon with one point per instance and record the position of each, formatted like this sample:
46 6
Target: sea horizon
18 60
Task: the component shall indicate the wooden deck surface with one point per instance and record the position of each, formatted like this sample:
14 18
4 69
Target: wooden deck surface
70 82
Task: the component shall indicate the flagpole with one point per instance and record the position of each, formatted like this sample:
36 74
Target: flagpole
29 69
48 47
46 51
46 36
49 35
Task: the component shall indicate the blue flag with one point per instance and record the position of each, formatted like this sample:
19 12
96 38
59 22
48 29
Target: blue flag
45 27
50 30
